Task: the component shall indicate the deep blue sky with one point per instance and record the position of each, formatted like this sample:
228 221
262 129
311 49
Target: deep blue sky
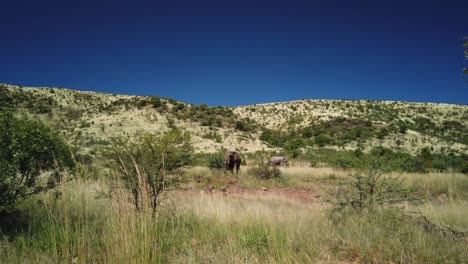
239 52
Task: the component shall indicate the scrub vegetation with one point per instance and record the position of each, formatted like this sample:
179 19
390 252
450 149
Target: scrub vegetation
96 178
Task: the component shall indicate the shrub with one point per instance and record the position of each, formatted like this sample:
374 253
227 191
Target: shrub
295 144
216 161
155 101
323 139
464 167
382 133
214 136
307 132
262 169
149 163
265 172
245 124
370 188
180 106
27 149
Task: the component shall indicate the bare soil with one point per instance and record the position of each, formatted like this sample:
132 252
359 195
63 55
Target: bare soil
230 188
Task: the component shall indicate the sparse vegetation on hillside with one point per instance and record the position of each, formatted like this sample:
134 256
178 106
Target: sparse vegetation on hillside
397 160
87 118
348 124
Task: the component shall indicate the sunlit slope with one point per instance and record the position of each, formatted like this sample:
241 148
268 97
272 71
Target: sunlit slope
89 120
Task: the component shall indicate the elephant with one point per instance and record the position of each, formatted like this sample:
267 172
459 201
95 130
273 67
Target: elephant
233 159
278 161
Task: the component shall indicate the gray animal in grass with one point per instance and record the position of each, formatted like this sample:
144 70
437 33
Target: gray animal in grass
278 161
233 160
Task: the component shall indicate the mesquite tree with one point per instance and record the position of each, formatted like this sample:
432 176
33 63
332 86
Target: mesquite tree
149 163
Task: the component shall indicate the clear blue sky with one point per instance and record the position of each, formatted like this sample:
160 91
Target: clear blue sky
239 52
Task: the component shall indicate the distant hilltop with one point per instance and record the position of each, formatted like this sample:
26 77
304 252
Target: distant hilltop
90 119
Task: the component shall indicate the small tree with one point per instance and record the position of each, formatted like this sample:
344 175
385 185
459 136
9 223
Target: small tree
149 164
28 149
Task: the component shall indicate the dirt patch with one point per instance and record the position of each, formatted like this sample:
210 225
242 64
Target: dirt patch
303 196
293 194
230 186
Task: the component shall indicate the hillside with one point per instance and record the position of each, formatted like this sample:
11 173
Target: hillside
89 120
366 181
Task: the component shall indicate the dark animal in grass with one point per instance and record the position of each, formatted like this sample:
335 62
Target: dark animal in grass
278 161
233 160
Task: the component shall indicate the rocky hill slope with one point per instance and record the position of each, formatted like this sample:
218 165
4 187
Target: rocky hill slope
89 120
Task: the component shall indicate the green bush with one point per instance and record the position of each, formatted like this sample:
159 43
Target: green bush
262 169
323 139
216 161
245 124
464 168
265 172
396 161
28 148
155 101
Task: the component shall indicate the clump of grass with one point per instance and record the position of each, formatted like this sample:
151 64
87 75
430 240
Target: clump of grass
451 214
385 236
61 228
453 185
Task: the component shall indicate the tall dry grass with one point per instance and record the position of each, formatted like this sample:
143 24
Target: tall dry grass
89 224
450 185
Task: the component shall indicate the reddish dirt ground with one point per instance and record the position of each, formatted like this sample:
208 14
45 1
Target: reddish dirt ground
232 189
294 194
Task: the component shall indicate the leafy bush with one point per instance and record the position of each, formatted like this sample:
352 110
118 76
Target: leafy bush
344 129
290 139
245 124
265 172
27 149
262 169
464 168
323 139
155 101
216 161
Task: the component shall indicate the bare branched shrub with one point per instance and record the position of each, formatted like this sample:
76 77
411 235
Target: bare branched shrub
150 163
372 188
